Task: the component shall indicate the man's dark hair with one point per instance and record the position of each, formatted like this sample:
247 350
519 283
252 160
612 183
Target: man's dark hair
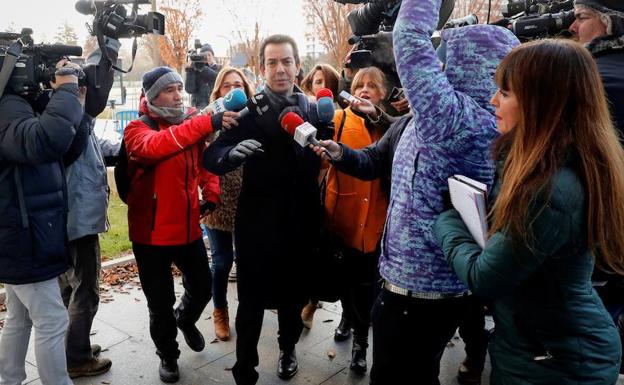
279 39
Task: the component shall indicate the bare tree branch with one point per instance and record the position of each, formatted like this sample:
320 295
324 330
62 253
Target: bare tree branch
327 21
183 17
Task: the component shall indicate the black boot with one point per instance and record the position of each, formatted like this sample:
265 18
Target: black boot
193 337
358 357
287 365
469 372
343 331
168 370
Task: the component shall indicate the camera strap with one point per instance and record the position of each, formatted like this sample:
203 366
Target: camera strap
12 54
101 42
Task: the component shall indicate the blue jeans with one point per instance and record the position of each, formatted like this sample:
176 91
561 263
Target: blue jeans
222 251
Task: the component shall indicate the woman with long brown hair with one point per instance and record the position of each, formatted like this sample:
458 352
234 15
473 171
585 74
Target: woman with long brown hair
220 221
321 76
558 208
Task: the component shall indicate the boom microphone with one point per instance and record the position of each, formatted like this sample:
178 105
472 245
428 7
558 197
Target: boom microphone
61 50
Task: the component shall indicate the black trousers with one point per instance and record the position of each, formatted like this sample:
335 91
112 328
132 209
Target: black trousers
249 318
409 337
81 294
154 263
472 331
359 293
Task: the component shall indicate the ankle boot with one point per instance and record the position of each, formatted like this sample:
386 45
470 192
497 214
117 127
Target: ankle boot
343 331
168 370
358 357
222 323
307 314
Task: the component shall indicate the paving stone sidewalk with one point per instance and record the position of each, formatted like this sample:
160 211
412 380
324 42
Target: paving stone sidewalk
121 328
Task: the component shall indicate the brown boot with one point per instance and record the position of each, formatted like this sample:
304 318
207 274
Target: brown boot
307 314
222 324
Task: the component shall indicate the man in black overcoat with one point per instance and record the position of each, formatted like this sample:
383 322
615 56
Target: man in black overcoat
278 218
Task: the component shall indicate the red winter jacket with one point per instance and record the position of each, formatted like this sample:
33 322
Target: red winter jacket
165 172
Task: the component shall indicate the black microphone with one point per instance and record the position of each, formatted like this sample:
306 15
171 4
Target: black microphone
85 7
61 50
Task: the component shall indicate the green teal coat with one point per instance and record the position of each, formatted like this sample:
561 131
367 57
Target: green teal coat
550 325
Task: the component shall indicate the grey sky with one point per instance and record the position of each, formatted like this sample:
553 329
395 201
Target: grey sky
275 16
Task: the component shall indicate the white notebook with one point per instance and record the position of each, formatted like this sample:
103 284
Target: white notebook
469 198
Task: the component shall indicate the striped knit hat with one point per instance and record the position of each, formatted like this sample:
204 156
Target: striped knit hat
157 79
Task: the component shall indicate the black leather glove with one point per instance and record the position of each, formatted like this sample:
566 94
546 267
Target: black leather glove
261 109
217 121
206 207
242 151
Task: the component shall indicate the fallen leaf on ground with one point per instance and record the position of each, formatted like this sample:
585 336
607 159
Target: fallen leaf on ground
331 353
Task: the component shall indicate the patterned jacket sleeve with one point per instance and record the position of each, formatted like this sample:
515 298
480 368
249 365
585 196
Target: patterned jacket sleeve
432 97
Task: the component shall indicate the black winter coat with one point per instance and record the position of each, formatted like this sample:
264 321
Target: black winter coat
611 68
199 84
33 193
375 160
279 209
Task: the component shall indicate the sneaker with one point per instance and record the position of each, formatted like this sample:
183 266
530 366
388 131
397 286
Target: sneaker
168 370
232 276
93 367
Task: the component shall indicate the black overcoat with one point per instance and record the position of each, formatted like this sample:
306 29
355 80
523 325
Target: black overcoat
278 216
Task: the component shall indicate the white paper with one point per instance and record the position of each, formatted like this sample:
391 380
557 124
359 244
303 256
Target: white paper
469 199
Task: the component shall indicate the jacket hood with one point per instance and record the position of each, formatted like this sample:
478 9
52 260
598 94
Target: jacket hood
472 55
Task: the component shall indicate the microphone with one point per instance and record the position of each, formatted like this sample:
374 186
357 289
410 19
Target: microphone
302 132
85 7
325 105
61 50
232 101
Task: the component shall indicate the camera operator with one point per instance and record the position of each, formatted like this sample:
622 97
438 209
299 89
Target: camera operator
201 76
599 25
35 134
88 192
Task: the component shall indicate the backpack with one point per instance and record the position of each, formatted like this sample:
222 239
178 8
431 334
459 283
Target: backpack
122 178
